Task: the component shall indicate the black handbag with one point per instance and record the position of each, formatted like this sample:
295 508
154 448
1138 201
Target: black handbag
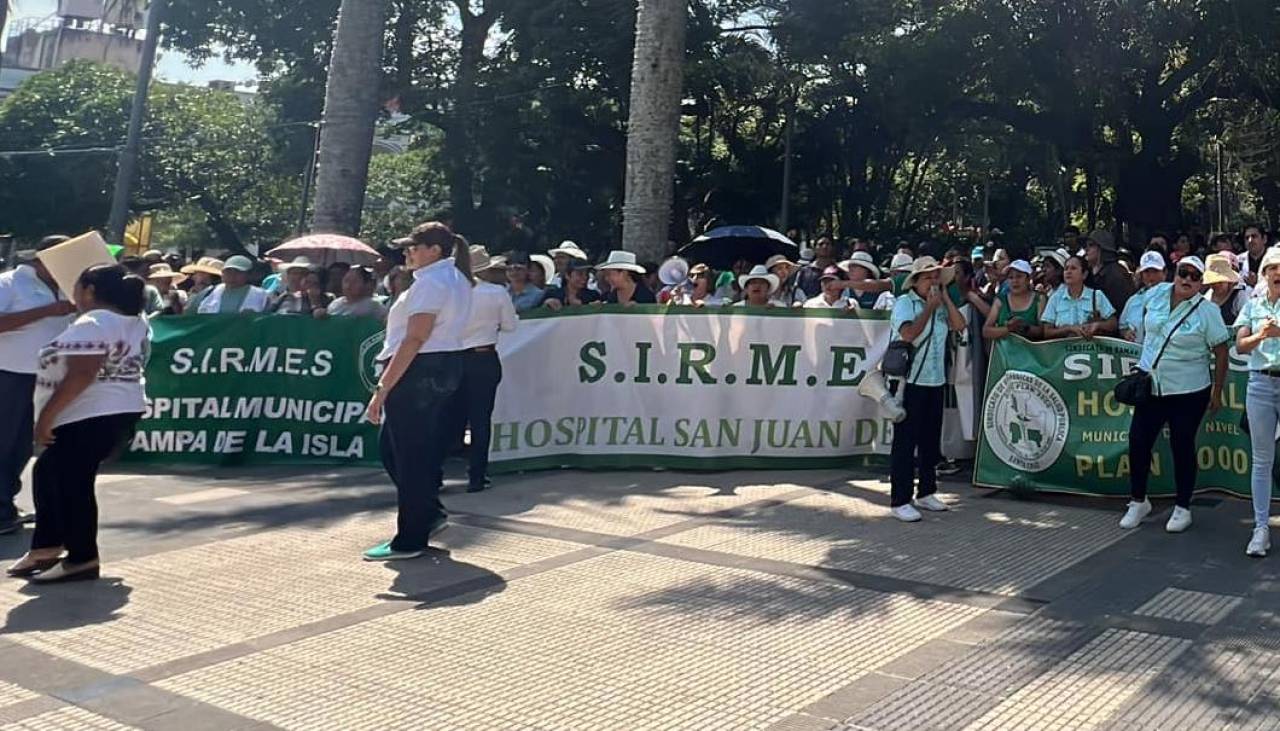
1138 387
901 356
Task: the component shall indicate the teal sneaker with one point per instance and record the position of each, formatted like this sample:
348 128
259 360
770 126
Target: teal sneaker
384 552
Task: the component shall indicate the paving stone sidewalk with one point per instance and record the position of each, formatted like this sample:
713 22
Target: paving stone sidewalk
235 599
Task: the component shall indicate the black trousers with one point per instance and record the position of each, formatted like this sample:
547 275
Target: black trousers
16 393
1183 413
64 477
414 441
473 405
917 444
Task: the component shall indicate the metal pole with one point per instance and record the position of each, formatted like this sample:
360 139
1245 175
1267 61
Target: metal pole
308 179
127 170
786 166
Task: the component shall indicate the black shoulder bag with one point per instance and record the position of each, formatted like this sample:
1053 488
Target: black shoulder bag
1137 388
901 355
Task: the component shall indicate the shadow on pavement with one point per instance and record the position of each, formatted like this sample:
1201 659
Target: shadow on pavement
66 606
438 580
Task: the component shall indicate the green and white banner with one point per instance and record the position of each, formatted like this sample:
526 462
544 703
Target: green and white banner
243 389
1052 423
601 388
688 389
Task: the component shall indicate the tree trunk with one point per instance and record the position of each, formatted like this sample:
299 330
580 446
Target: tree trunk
350 111
1149 196
458 139
657 77
4 20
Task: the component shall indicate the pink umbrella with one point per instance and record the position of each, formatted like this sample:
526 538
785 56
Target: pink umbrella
326 249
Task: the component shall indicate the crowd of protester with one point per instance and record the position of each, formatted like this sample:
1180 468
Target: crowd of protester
75 370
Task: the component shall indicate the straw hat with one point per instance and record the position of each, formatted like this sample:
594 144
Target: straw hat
1218 269
164 271
777 259
481 261
622 260
900 263
925 265
204 265
759 272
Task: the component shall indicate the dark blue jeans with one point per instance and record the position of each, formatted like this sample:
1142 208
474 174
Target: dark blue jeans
16 393
414 440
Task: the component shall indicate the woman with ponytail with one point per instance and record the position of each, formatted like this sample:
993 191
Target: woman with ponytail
422 365
89 396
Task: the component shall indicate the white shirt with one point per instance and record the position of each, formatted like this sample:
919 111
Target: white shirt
491 313
821 301
440 290
20 290
119 387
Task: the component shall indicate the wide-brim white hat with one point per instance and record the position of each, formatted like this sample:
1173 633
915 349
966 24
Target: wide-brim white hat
544 261
569 248
861 259
759 272
622 261
1270 259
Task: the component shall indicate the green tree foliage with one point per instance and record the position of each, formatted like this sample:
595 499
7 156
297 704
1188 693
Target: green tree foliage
202 148
908 115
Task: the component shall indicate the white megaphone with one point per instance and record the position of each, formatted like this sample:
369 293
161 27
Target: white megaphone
874 388
674 271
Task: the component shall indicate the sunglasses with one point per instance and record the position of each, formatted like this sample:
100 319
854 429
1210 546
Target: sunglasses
1193 274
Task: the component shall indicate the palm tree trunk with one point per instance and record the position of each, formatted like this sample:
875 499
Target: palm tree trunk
657 76
4 21
350 110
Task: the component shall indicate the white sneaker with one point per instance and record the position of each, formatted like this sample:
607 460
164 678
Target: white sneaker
1137 513
907 514
932 504
1179 521
1260 543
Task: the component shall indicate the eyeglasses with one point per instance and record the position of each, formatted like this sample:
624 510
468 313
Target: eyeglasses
1193 274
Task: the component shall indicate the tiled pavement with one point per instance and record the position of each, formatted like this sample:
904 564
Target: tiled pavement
621 601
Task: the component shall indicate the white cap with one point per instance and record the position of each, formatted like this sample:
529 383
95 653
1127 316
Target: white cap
1192 261
1154 260
1021 265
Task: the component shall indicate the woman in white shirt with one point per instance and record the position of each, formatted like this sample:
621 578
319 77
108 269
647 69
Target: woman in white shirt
492 312
89 397
422 368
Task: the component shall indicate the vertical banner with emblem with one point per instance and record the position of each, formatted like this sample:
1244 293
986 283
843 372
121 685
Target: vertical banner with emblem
1052 423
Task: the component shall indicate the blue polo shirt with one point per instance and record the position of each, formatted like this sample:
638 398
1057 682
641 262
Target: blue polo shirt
1064 310
1188 361
1131 317
929 367
1265 357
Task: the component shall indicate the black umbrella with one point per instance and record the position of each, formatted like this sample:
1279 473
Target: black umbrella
721 247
